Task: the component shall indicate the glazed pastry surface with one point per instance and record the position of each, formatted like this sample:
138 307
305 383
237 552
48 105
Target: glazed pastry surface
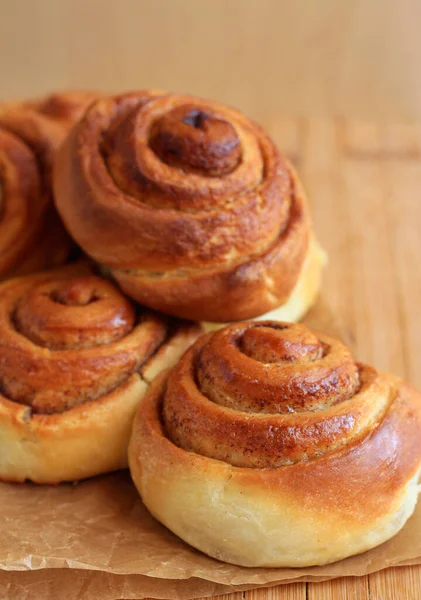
31 234
189 205
76 359
268 445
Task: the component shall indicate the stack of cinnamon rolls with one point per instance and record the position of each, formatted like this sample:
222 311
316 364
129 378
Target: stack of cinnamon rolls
156 251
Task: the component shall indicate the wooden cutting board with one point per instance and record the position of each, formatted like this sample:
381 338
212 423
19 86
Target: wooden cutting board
364 185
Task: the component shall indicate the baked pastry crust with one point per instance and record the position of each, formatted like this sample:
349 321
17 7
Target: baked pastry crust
31 234
217 220
76 359
268 446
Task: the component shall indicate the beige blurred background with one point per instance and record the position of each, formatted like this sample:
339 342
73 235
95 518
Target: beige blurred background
305 57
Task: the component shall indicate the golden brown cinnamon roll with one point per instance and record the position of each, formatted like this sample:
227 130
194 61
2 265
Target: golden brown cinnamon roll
268 445
190 206
31 234
76 358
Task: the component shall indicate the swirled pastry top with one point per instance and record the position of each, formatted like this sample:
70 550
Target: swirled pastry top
170 190
269 394
30 132
268 445
69 337
43 123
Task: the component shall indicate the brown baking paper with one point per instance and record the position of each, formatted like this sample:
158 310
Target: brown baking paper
96 541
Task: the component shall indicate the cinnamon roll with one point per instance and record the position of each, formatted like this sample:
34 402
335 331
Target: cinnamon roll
76 358
190 207
267 445
31 234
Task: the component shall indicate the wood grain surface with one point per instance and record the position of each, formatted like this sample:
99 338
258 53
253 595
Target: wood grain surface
364 184
308 57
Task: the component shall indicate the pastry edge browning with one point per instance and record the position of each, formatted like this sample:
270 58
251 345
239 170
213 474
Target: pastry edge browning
263 279
39 126
267 282
90 438
87 440
303 295
310 513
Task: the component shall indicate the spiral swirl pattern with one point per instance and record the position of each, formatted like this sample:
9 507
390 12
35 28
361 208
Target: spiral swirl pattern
269 394
76 358
70 340
267 445
31 235
216 219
